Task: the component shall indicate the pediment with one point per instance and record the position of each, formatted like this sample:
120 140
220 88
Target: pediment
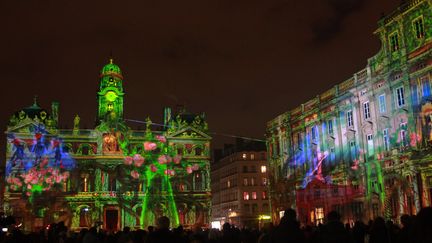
189 132
25 126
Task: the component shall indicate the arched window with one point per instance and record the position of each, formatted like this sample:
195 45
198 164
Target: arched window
84 217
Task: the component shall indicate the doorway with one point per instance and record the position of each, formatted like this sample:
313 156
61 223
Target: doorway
111 219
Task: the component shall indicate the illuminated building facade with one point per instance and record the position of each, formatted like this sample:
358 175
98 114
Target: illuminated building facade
364 147
111 175
239 189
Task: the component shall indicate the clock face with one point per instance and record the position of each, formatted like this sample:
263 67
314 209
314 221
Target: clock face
111 96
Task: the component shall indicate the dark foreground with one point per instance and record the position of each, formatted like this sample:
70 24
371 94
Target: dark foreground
412 229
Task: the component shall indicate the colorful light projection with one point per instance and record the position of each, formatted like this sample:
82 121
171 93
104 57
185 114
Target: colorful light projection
38 164
155 167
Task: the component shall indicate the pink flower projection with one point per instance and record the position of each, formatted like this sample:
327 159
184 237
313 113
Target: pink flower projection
135 174
128 160
41 176
153 168
164 162
177 159
138 160
161 138
149 146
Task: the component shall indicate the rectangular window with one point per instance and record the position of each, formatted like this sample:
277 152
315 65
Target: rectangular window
264 181
245 182
418 27
252 156
366 110
314 133
264 195
299 141
254 195
386 140
370 144
403 135
246 208
425 86
245 196
400 96
382 103
349 119
252 181
330 126
245 169
254 208
394 41
353 150
263 169
414 94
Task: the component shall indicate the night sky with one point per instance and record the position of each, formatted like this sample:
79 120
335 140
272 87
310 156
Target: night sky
241 62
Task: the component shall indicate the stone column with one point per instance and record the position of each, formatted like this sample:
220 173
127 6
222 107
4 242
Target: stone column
425 194
416 193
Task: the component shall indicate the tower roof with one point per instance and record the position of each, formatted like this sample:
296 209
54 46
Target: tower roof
32 111
111 69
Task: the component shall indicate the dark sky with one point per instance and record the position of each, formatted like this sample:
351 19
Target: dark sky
241 62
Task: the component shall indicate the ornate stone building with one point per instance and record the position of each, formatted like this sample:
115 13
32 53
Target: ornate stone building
364 147
88 166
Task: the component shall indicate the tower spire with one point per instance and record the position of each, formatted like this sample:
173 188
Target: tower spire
35 100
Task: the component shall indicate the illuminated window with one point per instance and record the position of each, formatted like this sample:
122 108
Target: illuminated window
252 156
330 126
263 169
319 215
252 181
418 27
228 183
264 181
244 156
386 140
382 103
366 110
394 41
254 195
246 196
264 195
350 119
370 144
245 181
400 97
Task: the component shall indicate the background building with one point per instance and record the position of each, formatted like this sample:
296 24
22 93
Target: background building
85 176
239 185
363 147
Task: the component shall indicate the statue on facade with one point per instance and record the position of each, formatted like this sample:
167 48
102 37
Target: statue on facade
110 143
76 123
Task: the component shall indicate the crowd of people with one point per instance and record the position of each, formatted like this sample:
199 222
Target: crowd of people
416 228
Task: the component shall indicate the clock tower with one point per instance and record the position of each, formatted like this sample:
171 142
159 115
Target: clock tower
110 95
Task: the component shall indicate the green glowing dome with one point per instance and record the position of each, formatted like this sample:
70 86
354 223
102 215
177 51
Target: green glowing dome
111 68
